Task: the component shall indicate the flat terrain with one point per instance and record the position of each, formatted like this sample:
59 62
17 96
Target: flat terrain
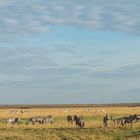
61 130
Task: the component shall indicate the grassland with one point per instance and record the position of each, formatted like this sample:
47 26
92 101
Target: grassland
61 130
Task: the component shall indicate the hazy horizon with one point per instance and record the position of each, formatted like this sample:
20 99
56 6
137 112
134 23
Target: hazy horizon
69 52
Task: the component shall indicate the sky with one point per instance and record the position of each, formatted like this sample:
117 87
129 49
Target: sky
69 52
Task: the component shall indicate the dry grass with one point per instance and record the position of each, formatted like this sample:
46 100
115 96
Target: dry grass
65 111
62 130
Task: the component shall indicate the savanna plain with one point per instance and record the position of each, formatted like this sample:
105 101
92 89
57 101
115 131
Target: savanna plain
62 130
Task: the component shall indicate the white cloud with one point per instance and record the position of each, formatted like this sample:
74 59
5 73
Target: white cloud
33 16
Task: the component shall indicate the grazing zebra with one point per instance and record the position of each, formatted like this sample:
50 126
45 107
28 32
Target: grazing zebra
13 120
70 119
79 121
131 119
34 120
117 121
13 112
126 120
40 120
25 111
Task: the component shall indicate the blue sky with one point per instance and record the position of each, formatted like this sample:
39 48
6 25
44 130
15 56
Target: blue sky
73 51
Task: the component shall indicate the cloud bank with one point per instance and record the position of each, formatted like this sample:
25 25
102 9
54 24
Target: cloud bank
35 75
32 16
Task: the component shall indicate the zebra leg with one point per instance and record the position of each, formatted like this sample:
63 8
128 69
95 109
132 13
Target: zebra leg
114 124
27 122
131 125
122 124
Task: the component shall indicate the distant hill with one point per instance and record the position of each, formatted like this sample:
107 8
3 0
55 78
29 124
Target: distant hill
27 106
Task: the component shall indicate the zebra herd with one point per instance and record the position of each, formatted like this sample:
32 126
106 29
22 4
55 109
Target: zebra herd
19 111
33 120
121 120
79 121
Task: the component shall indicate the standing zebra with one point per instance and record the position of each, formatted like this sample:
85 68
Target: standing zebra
79 121
105 120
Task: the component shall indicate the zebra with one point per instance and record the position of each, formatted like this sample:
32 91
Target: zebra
48 119
25 111
131 119
13 120
138 118
40 120
126 120
79 121
34 120
13 112
117 121
105 120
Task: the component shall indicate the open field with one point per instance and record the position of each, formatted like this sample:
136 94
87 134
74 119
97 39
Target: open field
61 130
